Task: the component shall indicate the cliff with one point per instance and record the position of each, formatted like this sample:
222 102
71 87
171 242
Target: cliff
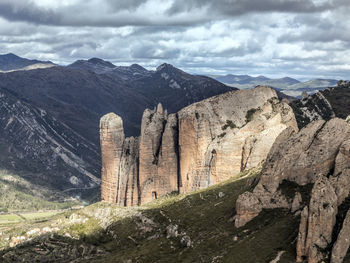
308 173
201 145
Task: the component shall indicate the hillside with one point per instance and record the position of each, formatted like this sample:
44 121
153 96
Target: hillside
196 227
11 62
43 150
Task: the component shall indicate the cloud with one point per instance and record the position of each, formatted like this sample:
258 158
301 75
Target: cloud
271 37
26 10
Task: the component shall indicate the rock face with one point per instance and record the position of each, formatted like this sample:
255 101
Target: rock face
203 144
158 154
341 246
218 140
317 155
321 218
112 140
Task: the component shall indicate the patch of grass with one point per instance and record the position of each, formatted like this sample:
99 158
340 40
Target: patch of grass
17 194
9 219
230 124
222 135
250 114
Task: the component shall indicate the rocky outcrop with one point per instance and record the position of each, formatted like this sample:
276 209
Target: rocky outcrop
325 104
320 218
318 155
341 246
203 144
218 140
158 154
112 139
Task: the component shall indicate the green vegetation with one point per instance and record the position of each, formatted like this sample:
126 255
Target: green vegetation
250 114
17 194
230 124
222 135
6 219
204 218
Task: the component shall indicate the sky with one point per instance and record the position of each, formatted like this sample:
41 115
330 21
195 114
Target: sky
297 38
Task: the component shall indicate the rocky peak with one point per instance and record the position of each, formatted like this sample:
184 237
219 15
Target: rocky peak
101 62
138 67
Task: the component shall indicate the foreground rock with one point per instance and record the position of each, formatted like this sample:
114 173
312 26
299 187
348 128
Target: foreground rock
203 144
318 155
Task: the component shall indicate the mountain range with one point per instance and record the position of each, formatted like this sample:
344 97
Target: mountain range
50 116
287 85
11 62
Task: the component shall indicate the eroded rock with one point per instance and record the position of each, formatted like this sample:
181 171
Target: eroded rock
301 158
203 144
321 218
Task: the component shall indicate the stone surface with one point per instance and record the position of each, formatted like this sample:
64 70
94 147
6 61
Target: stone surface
341 176
301 241
152 127
248 207
296 202
127 190
217 140
341 246
203 144
112 139
302 157
320 222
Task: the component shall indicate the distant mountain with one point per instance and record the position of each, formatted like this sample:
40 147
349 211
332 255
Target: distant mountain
287 85
100 66
310 86
11 62
247 82
62 107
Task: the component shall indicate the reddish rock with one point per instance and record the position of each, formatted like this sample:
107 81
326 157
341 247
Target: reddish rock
204 144
112 139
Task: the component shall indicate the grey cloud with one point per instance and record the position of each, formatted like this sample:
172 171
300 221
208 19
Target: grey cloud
107 13
240 7
26 10
125 5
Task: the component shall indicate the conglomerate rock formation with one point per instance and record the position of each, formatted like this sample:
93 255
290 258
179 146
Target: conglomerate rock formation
201 145
317 157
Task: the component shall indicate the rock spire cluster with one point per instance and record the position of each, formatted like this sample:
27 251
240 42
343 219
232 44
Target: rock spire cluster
199 146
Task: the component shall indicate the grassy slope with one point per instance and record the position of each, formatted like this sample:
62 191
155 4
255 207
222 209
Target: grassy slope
139 234
17 194
207 220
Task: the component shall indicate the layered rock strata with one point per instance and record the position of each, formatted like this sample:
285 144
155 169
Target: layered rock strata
318 156
201 145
